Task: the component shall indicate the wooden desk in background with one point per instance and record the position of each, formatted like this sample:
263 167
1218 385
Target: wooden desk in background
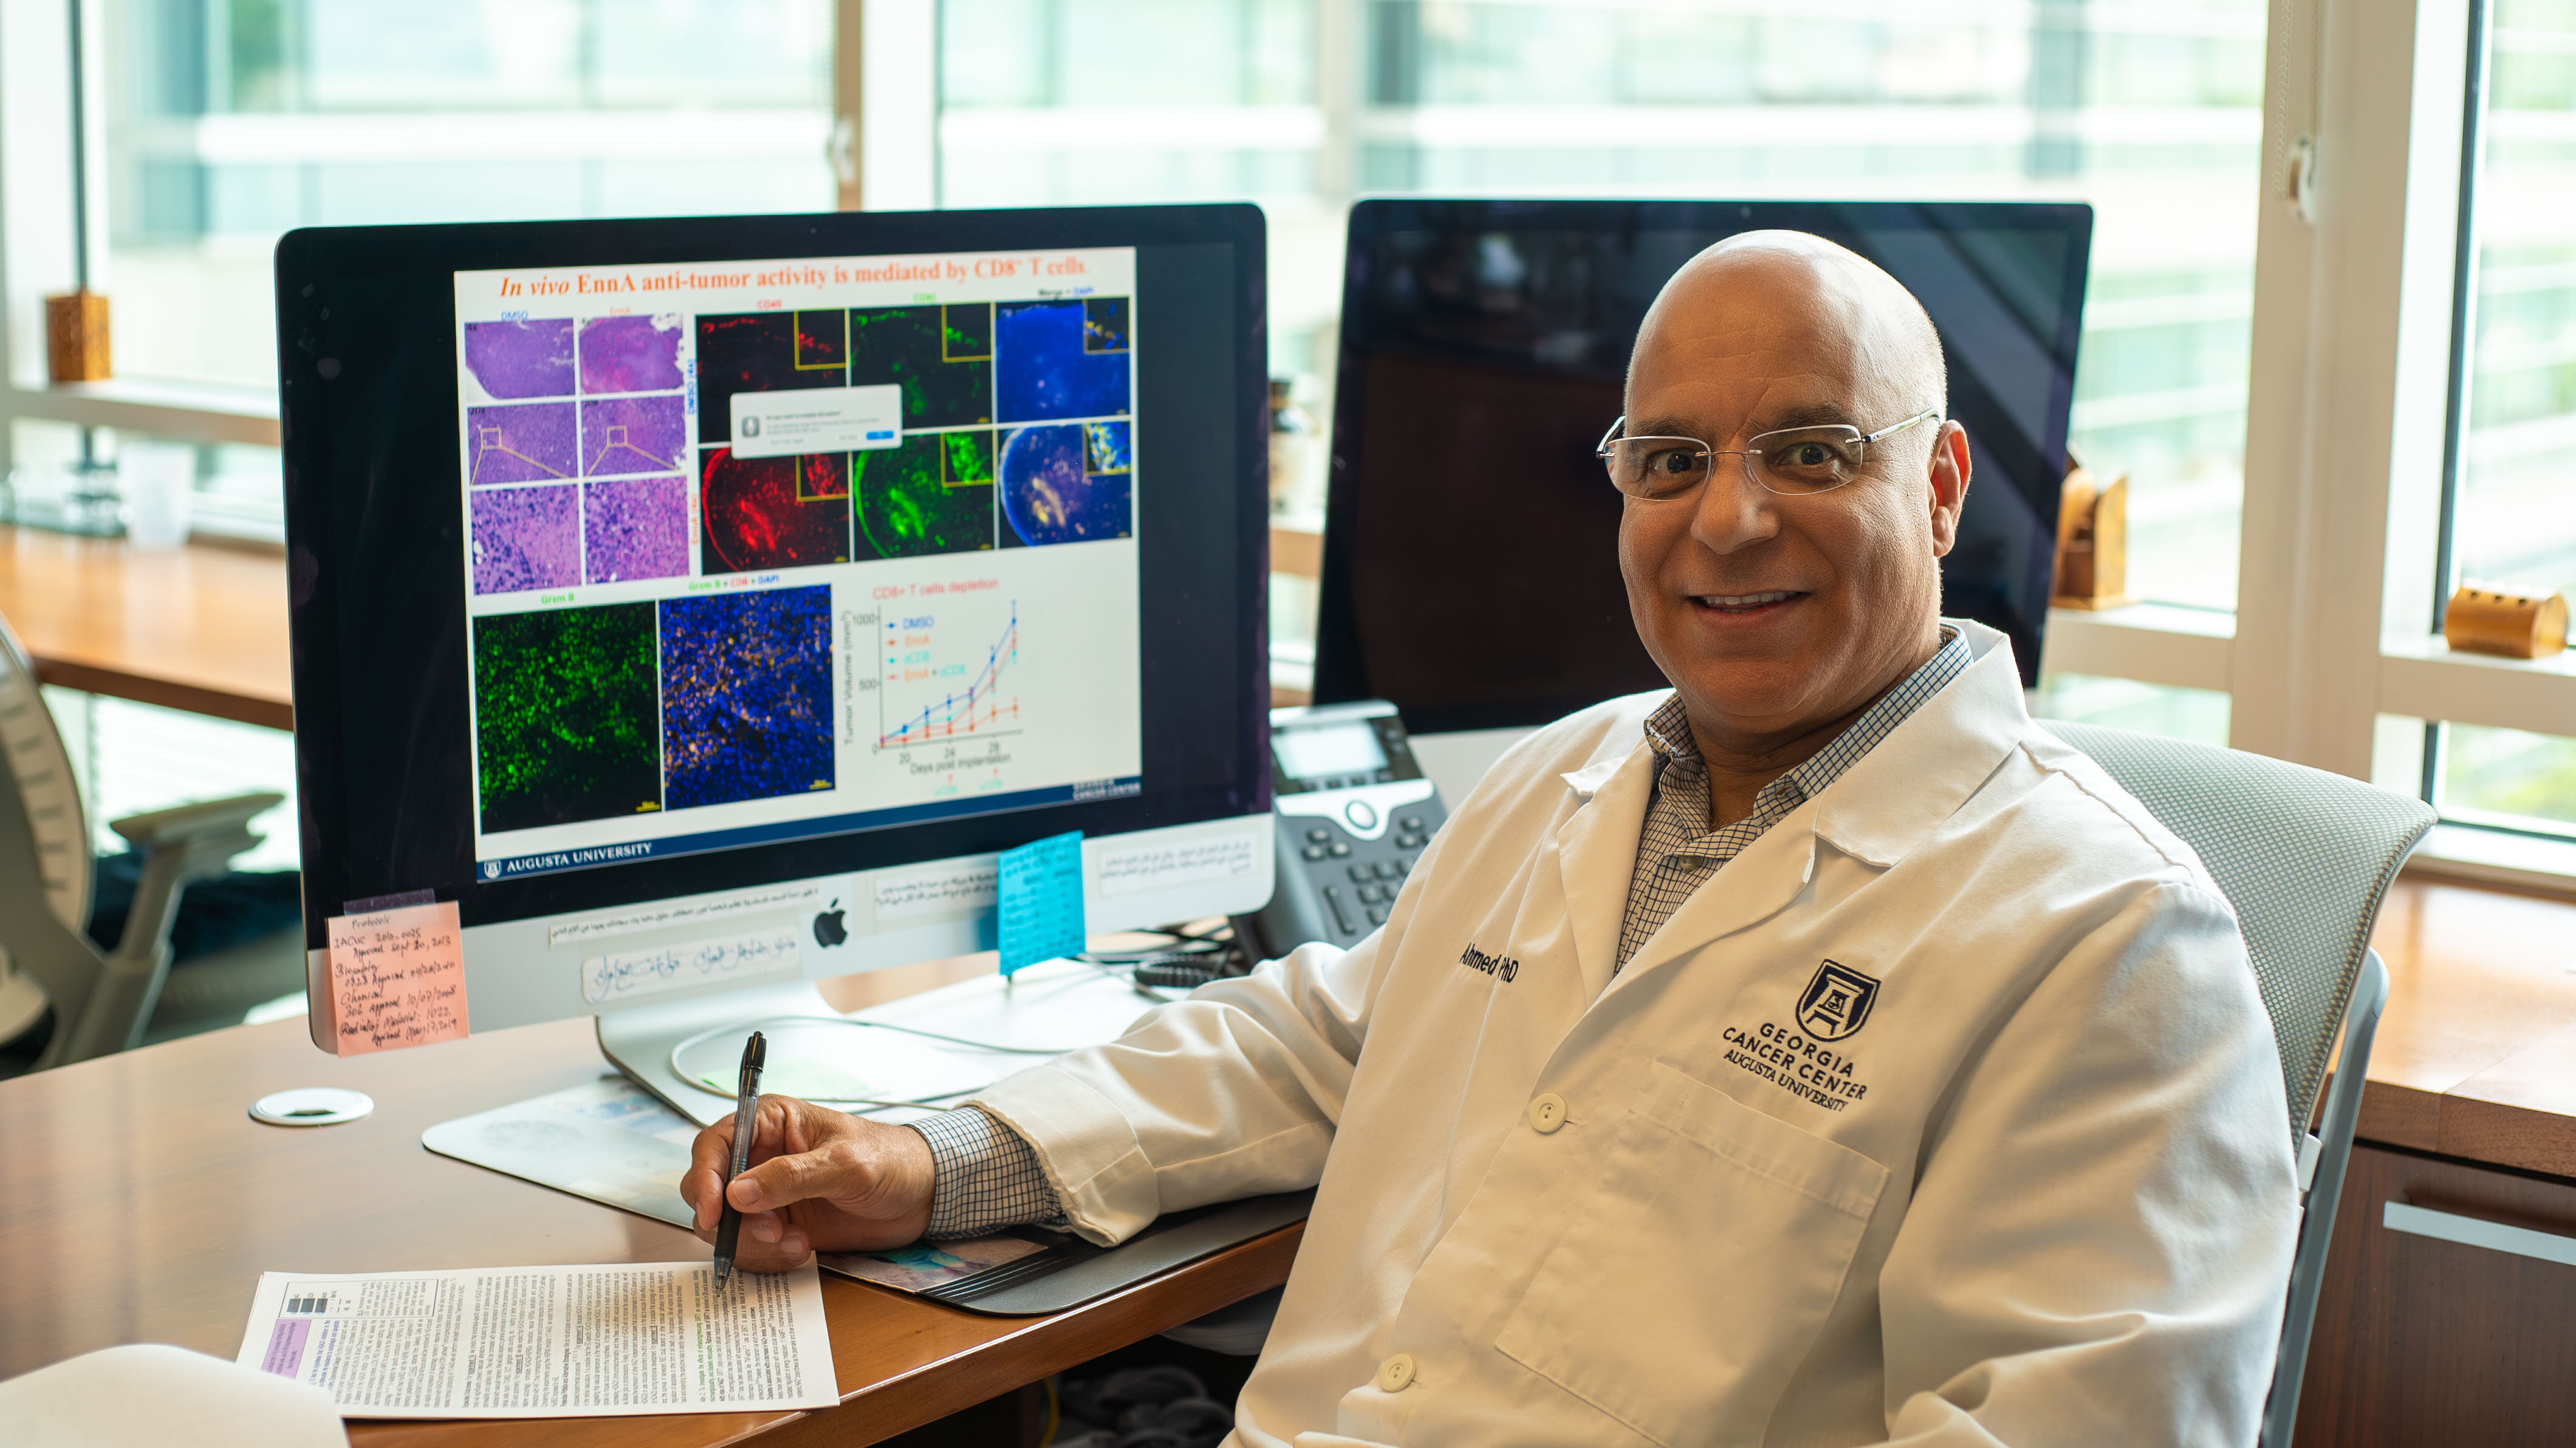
201 628
141 1204
2470 1110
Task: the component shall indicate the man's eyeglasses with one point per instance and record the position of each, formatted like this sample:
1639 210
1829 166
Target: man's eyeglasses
1793 461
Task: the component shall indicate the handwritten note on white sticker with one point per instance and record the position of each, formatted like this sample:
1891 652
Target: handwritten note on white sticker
1163 867
632 973
963 888
700 911
397 978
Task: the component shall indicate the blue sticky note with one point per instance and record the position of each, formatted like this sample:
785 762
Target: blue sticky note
1041 890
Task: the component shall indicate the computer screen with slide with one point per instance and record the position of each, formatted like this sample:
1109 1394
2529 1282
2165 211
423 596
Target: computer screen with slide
701 604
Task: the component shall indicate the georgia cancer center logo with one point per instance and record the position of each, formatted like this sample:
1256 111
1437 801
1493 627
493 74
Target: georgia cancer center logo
1836 1003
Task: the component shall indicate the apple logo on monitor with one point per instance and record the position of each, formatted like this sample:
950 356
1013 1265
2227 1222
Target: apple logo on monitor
828 929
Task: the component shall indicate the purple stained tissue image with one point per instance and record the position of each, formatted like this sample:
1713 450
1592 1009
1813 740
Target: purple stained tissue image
633 435
526 444
521 359
526 538
636 528
630 354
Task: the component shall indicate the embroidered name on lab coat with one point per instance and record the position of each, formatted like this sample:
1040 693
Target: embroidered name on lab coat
1501 968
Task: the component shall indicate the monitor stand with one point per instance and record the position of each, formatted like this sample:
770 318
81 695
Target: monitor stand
638 1040
1051 1008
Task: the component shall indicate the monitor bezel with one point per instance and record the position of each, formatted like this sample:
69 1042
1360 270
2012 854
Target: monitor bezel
308 262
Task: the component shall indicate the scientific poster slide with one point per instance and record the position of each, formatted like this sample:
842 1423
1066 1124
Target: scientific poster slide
763 550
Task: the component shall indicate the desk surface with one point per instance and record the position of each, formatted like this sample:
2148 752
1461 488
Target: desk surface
142 1203
2476 1057
201 628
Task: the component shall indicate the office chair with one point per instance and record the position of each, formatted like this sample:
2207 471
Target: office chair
2305 857
107 999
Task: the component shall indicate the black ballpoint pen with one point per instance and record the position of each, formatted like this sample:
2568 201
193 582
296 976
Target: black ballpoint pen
746 1106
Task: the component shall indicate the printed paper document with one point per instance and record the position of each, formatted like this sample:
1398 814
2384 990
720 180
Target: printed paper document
546 1342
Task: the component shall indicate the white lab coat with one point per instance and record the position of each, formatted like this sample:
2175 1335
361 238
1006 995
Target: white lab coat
2042 1194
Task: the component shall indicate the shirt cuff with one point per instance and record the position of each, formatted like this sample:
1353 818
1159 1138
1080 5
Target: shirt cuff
987 1176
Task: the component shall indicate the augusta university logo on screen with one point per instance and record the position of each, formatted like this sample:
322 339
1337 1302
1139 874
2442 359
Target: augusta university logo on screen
1836 1003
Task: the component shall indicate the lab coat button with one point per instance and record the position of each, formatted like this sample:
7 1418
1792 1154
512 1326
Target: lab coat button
1547 1113
1396 1373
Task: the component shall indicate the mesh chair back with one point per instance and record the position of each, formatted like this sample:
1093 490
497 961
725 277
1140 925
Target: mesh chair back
2304 856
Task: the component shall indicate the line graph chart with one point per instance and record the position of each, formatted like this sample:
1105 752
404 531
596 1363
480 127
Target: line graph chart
945 679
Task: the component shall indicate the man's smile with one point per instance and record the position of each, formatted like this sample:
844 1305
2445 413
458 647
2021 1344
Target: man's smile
1745 603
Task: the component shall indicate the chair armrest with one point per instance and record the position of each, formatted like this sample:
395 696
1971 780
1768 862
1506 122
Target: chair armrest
182 824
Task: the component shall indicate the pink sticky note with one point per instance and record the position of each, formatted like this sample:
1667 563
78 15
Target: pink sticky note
398 978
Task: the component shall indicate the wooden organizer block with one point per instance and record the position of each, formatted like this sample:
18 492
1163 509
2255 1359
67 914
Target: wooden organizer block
2497 621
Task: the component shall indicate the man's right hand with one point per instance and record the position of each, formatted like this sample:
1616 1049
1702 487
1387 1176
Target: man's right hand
818 1181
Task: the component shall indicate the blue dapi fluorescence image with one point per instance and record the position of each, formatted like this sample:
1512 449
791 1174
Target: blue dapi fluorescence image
746 696
1056 489
1043 369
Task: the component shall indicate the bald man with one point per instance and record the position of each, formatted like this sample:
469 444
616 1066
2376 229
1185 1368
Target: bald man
1814 1053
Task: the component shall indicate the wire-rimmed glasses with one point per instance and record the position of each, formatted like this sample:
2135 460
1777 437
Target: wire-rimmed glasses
1793 461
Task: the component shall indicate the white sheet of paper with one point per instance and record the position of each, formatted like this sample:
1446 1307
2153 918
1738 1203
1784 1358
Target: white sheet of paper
546 1342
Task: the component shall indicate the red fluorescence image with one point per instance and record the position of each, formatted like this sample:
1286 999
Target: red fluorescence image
783 512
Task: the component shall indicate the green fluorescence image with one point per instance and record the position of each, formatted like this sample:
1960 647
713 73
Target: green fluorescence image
933 494
942 357
567 716
966 458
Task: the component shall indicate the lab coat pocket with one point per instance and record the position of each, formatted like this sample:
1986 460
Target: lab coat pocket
1701 1257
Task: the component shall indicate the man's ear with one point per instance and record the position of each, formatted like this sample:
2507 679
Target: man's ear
1948 490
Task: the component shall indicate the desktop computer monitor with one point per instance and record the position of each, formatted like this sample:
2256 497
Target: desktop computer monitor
1470 567
701 604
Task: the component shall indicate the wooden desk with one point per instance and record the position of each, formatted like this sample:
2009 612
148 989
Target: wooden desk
201 628
2423 1342
2477 1055
141 1204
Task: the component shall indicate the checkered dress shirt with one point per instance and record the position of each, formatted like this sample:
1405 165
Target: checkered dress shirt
1677 851
988 1177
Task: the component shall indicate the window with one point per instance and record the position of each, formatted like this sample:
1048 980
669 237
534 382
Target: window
2511 515
2152 115
231 121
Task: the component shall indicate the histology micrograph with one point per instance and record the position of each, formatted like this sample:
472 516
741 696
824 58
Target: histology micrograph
933 494
633 435
630 354
1049 361
758 352
566 722
942 358
525 444
521 359
526 538
746 695
635 528
772 512
1066 483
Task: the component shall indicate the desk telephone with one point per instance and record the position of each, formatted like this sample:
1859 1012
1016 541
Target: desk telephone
1353 811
